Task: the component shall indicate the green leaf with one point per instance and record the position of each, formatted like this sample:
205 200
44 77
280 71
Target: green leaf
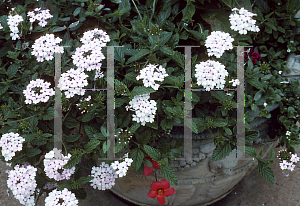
106 146
70 122
119 54
167 50
165 37
99 136
67 185
257 95
260 154
138 55
221 151
49 114
3 88
103 131
220 122
73 24
162 16
90 131
134 128
250 151
137 156
57 29
144 137
169 175
91 145
12 70
250 136
291 112
33 122
179 58
266 172
270 25
76 11
119 102
147 163
228 131
65 19
255 82
228 3
74 160
124 7
80 193
72 138
140 90
272 153
31 152
263 6
188 12
99 8
281 40
243 3
153 153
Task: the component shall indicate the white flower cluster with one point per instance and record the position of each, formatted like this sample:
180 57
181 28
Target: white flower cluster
10 143
122 167
149 76
210 74
144 109
54 162
243 22
104 177
54 197
41 16
13 22
218 42
75 85
235 82
22 182
45 46
285 165
89 55
34 97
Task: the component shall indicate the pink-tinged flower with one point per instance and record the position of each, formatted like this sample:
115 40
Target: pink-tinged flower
148 170
160 190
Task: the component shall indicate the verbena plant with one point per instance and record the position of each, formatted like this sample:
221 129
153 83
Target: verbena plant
149 33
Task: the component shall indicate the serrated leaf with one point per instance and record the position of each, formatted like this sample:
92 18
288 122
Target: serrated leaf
91 145
138 55
103 131
12 70
221 151
72 138
73 161
119 54
49 114
137 156
260 153
250 151
119 102
31 152
70 122
257 95
250 136
266 172
141 90
272 153
228 131
263 6
134 128
65 19
165 37
90 131
166 50
67 185
169 175
153 153
106 146
99 136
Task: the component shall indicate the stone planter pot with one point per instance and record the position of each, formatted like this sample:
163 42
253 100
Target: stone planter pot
200 182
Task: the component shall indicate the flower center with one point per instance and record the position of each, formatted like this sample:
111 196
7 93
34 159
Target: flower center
160 192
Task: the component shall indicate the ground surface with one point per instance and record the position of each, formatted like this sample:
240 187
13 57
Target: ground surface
253 190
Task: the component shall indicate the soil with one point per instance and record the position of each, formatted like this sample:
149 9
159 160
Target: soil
253 190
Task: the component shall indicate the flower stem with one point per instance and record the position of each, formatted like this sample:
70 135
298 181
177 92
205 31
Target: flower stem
137 10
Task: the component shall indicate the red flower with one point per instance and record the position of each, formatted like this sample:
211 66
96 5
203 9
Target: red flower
160 190
148 170
255 56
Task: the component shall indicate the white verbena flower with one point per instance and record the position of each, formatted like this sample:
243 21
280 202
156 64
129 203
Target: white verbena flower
104 177
218 42
45 46
11 143
54 161
288 133
13 23
242 22
210 74
22 182
69 198
144 109
265 104
34 97
235 82
41 16
149 76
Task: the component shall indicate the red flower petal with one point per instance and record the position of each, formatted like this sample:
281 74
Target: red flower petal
147 170
165 184
161 199
169 192
152 193
155 164
156 185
